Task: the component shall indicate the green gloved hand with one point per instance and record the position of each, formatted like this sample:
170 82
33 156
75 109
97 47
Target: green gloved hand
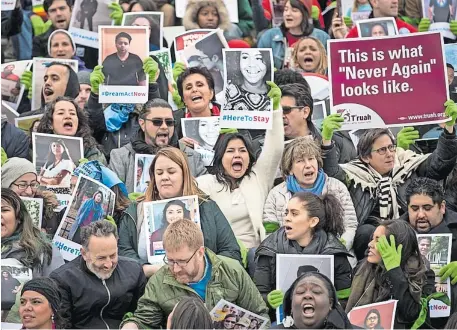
4 156
39 26
424 25
151 68
343 241
390 254
135 195
82 161
450 270
347 21
116 13
315 13
177 98
274 94
26 80
111 219
96 78
244 253
270 227
275 298
406 137
178 69
453 27
228 130
450 112
331 124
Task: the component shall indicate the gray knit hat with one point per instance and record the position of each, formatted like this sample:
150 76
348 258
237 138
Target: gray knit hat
84 77
14 168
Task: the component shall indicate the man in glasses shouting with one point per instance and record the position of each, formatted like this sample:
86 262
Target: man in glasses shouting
193 270
378 178
157 128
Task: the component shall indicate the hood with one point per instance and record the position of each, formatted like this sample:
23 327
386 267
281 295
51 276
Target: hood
72 89
189 20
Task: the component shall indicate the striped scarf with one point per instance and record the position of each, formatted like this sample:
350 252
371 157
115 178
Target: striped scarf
385 188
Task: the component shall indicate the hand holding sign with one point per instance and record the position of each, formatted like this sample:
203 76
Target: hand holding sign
450 112
275 298
406 137
26 80
116 13
151 68
274 94
178 69
96 79
329 125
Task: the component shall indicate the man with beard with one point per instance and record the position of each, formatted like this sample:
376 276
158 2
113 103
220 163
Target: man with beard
191 269
156 131
99 287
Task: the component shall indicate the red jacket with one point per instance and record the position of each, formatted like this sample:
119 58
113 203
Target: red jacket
353 33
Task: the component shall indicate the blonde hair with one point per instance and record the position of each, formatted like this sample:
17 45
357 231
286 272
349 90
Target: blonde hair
189 185
182 233
355 6
298 149
322 66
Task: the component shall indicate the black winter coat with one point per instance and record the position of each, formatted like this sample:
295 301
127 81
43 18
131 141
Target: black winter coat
14 141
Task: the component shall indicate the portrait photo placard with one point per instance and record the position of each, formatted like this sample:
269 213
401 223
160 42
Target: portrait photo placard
277 7
121 53
440 13
86 17
158 215
374 316
205 132
35 208
91 201
28 124
8 5
247 104
227 315
142 164
40 67
153 20
377 27
187 39
12 89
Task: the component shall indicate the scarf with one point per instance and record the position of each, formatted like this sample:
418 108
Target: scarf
140 146
294 187
116 114
7 243
385 188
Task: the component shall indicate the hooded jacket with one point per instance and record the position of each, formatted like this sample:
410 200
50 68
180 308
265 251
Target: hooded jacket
190 21
14 141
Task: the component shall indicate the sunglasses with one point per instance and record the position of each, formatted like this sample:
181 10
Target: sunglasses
286 109
159 121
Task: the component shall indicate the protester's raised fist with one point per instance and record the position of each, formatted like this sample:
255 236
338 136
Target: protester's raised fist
331 124
406 137
347 21
151 68
275 298
424 25
178 69
116 13
315 13
450 270
450 112
96 78
274 94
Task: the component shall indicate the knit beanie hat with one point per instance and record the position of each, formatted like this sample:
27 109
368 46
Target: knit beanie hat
48 288
84 77
14 168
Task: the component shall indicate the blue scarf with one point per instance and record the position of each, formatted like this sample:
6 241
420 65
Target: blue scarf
116 115
294 187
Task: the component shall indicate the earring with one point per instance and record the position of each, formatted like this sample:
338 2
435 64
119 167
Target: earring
288 321
53 323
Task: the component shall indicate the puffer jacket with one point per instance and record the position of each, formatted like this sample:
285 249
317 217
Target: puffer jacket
437 166
189 20
228 281
279 196
216 230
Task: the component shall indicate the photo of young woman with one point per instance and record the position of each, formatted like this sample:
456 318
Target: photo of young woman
204 130
90 211
58 167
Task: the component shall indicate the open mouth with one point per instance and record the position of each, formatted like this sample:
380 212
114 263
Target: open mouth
253 70
308 60
308 310
162 137
48 92
196 98
68 124
61 21
237 166
308 174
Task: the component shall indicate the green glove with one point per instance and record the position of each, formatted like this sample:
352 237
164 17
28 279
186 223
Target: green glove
450 270
391 255
424 25
343 241
228 130
274 94
135 195
111 219
96 78
330 124
177 98
347 21
82 161
39 27
271 227
450 112
244 253
26 80
275 298
4 157
453 27
406 137
116 13
151 68
178 69
315 13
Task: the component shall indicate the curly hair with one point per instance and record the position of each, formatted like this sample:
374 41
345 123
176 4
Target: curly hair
322 66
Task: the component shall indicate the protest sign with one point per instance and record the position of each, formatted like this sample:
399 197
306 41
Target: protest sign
231 7
360 15
435 250
291 266
320 92
28 124
440 13
187 39
374 316
35 208
247 104
8 5
277 7
157 217
9 113
12 89
152 20
40 67
96 13
227 315
169 33
91 201
393 81
205 132
142 164
377 27
121 53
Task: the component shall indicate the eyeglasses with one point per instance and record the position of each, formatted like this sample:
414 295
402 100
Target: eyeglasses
23 186
383 150
182 264
286 109
159 121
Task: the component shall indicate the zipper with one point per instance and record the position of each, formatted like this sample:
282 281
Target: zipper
119 139
103 308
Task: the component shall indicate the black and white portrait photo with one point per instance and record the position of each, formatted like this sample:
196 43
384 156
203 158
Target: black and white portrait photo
204 130
153 21
377 27
247 71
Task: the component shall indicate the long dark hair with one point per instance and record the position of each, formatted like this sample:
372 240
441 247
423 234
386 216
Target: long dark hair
51 158
83 130
219 151
147 5
170 203
34 243
233 61
327 208
373 311
191 313
305 26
